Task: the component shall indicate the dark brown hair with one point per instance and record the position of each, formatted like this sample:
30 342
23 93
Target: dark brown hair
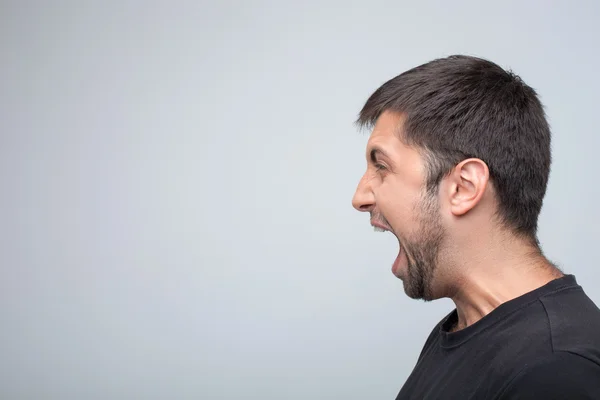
460 107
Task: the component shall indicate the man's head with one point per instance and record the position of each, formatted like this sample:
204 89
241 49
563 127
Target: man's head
458 145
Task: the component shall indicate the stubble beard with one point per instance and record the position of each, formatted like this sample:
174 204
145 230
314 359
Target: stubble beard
422 252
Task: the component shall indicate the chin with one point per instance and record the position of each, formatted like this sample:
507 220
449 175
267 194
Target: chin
418 289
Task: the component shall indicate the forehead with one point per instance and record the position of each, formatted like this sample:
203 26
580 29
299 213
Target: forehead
386 136
386 133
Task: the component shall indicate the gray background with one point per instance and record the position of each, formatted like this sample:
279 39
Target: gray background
176 182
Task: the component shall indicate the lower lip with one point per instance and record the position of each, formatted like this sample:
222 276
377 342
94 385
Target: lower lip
396 265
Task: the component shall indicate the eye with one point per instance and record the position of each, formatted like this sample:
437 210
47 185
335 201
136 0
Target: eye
379 167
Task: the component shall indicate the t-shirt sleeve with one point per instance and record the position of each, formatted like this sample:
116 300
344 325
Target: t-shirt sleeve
560 376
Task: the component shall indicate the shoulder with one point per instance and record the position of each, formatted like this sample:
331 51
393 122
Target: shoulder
560 375
574 322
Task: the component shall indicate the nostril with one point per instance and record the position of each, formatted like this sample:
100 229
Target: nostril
365 207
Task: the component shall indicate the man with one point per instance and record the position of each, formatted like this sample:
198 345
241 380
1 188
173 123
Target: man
458 163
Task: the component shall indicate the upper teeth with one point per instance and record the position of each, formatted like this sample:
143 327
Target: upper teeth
378 229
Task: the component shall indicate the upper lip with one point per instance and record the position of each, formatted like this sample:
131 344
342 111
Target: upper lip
379 225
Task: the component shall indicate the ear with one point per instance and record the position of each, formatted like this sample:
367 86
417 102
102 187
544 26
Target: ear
467 184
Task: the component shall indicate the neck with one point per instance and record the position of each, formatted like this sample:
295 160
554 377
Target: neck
496 274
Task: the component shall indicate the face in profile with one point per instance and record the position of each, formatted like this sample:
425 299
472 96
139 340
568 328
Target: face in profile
393 190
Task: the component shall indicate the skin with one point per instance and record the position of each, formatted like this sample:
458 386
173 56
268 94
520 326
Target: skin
451 244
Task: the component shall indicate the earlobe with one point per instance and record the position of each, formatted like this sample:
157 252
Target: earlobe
469 181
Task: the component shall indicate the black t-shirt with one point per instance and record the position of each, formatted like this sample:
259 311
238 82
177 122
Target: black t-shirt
544 344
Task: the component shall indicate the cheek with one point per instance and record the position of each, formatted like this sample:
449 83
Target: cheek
398 204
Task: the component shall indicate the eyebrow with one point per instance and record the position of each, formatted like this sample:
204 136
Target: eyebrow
375 152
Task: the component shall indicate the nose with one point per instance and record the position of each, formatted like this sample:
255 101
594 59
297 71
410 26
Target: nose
363 199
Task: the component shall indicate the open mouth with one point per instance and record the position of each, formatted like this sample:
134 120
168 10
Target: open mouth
379 227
